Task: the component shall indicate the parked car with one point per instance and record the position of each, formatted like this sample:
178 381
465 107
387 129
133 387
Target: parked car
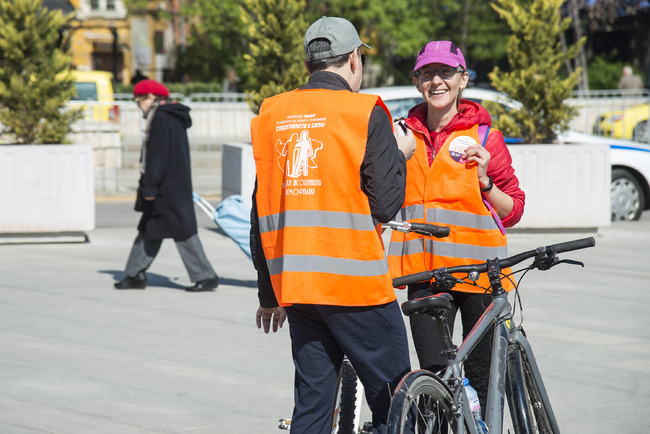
631 123
630 161
97 89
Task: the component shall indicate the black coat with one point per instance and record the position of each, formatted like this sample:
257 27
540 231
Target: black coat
167 176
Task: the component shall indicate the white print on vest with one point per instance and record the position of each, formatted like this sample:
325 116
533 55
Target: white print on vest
300 154
457 147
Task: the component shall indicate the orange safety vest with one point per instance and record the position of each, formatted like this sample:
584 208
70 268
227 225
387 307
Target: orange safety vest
446 193
318 235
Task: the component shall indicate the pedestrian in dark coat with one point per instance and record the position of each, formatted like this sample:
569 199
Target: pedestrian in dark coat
165 192
171 215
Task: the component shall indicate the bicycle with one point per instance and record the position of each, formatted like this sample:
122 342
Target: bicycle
426 402
347 408
346 417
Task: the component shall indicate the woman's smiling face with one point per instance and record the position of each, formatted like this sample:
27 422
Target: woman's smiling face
439 93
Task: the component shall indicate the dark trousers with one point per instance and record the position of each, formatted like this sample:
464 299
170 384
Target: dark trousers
374 340
145 249
428 345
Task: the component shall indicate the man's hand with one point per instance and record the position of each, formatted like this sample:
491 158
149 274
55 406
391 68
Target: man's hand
406 143
266 314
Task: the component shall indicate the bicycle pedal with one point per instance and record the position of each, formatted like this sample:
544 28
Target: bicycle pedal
285 424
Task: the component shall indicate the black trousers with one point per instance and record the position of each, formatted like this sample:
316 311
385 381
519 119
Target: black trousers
428 345
374 340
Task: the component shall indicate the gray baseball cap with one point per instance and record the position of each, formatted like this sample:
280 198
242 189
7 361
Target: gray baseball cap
340 32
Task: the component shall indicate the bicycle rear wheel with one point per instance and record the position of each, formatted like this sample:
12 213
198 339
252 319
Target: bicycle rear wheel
530 413
345 420
422 403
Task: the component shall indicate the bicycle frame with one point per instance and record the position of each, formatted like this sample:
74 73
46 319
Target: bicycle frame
514 374
497 314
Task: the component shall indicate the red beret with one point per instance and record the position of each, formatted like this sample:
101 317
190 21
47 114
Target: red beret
150 86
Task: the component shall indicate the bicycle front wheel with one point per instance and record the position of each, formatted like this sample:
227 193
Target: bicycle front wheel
530 412
345 420
422 403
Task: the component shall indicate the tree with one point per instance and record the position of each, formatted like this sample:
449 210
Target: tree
580 60
398 29
217 40
536 58
276 59
35 82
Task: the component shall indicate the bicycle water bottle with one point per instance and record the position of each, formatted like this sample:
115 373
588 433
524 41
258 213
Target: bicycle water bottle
475 406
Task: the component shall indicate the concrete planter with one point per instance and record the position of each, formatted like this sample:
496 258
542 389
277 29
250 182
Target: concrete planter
46 190
566 186
238 171
104 137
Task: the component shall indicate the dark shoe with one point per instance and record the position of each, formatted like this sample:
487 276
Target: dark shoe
131 283
204 285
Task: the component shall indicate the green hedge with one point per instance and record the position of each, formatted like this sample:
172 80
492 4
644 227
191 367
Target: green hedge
603 72
182 88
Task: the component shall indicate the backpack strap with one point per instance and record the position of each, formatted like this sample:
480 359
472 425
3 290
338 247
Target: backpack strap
483 133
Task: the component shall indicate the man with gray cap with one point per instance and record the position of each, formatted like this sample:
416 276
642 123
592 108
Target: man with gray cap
329 169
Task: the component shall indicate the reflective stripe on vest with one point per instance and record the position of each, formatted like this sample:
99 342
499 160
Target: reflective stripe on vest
447 217
323 264
317 232
322 219
326 219
441 248
446 193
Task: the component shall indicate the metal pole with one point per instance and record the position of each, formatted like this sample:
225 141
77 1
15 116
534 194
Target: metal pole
115 39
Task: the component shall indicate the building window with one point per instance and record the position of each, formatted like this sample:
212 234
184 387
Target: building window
159 42
105 5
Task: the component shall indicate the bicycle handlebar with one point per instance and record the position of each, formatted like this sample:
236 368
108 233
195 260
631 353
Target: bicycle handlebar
419 228
435 230
482 267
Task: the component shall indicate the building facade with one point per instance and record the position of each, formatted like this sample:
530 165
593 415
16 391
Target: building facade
104 35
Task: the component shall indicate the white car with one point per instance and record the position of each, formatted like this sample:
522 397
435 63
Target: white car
630 188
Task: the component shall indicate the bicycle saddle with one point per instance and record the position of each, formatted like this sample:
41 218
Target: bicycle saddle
432 304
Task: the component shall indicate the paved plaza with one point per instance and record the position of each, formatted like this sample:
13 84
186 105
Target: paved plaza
78 357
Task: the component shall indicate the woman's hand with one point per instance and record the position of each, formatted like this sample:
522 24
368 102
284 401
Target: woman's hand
500 201
479 155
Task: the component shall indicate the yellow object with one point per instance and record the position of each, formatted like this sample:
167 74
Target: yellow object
630 123
96 87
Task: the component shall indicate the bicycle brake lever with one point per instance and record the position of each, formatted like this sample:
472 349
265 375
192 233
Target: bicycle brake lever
545 260
570 261
446 281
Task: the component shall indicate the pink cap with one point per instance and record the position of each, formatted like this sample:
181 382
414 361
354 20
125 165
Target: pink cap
445 52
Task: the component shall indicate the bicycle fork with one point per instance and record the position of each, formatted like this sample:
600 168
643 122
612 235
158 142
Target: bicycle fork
518 340
496 391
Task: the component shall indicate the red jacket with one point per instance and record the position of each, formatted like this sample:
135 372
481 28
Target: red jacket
500 167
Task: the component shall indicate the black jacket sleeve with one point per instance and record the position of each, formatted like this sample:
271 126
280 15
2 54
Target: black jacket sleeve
264 288
383 171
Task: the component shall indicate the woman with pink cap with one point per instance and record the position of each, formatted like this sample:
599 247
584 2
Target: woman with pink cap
460 176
